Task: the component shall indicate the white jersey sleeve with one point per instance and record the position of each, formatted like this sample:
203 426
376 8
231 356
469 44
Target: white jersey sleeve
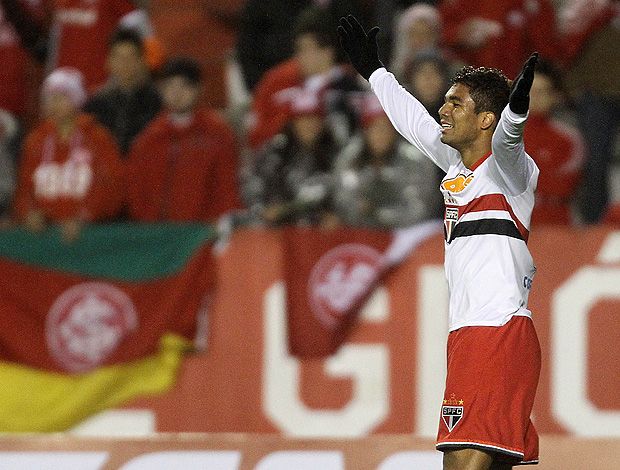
512 168
411 119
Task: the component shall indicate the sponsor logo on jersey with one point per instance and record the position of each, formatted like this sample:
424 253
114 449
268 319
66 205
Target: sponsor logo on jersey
86 324
458 184
452 215
452 411
339 278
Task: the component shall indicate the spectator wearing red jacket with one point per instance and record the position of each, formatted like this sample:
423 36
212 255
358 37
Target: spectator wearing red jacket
315 67
499 33
71 172
183 165
557 148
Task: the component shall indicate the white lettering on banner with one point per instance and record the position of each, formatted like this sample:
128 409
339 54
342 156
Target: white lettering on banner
52 460
432 334
302 460
610 252
569 334
366 365
413 460
186 460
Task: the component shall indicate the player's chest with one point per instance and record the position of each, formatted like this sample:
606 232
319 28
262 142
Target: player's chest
464 191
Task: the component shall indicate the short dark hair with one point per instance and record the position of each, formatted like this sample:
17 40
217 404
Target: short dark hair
122 35
488 87
318 22
182 67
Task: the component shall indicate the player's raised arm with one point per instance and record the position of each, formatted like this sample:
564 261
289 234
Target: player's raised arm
407 114
514 166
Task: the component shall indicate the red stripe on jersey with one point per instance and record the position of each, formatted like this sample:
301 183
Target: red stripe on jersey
480 161
494 202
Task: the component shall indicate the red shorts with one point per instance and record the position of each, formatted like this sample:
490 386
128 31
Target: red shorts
492 378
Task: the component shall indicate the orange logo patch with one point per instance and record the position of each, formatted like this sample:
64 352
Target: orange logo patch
458 184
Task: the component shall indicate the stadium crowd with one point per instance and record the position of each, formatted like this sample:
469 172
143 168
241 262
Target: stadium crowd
119 110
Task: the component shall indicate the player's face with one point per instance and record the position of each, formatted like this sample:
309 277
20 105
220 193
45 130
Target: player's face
459 122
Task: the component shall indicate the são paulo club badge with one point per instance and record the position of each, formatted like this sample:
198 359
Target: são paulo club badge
452 411
339 279
86 324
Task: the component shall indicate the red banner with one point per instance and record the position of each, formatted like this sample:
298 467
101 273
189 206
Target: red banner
388 376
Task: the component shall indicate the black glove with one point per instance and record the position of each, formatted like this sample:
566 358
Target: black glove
361 48
520 89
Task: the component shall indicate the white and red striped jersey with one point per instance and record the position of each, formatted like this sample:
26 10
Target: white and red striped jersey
488 208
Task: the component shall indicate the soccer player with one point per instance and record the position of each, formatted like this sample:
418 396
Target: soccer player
493 350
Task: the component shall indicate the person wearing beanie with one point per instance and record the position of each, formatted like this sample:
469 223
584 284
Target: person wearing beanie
183 165
70 171
418 28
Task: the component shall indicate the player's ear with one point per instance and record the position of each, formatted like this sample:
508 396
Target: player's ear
487 120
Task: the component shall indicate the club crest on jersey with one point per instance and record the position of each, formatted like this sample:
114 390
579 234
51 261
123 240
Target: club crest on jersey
458 184
452 216
452 411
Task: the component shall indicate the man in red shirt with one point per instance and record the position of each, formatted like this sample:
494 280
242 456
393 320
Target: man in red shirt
314 66
183 166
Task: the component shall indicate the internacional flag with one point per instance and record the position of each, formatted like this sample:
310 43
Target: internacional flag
91 324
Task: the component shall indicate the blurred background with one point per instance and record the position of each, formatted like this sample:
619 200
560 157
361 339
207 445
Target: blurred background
199 199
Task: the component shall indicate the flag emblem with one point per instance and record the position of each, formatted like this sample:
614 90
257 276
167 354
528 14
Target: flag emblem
87 323
339 279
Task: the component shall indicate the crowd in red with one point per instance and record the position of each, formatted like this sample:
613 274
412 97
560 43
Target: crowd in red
177 111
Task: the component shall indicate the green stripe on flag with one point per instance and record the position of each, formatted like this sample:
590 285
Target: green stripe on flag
120 251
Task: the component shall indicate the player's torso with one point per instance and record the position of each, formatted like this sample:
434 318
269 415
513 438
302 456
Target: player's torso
488 265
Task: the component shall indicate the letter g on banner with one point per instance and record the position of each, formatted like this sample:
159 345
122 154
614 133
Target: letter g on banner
366 365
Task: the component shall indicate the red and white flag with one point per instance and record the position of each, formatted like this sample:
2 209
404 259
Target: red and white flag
329 275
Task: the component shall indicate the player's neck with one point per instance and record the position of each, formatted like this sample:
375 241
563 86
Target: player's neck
475 151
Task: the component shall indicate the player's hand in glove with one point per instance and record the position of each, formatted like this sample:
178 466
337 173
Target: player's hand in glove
519 100
361 47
